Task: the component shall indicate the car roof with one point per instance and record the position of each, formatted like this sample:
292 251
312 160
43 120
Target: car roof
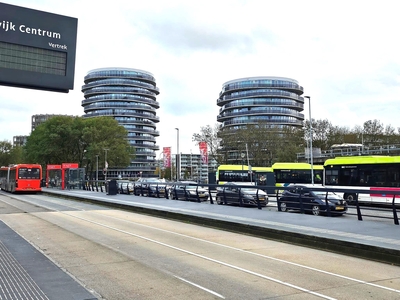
149 179
240 183
307 187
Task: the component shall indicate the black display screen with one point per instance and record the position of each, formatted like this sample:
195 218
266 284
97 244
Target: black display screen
26 58
37 49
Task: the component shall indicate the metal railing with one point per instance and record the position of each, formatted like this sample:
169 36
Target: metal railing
217 194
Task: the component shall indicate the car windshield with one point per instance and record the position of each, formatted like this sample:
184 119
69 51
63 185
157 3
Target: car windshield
248 190
194 187
323 194
151 181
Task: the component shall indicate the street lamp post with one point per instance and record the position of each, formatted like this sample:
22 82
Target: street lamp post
311 138
97 168
159 164
191 164
178 163
362 141
105 163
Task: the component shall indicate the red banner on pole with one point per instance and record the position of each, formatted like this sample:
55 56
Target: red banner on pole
167 157
203 152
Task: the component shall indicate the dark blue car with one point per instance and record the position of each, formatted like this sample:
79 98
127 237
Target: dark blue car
188 190
313 200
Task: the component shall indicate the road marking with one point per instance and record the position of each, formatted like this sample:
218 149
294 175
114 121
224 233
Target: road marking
203 257
260 255
200 287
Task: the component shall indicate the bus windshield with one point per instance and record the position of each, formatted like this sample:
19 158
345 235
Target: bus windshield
28 173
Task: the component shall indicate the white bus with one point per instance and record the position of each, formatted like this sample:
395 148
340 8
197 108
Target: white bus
369 173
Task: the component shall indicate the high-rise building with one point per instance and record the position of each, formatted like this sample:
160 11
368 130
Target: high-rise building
39 119
129 96
36 120
194 168
19 140
275 101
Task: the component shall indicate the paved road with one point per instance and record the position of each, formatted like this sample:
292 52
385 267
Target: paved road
124 255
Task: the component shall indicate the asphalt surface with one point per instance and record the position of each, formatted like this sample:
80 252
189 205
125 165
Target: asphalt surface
28 274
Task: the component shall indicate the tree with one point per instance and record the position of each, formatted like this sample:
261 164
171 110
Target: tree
210 136
10 154
74 139
373 132
320 133
260 144
289 143
167 173
5 153
16 154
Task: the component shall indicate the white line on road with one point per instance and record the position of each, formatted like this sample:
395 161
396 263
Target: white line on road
200 287
204 257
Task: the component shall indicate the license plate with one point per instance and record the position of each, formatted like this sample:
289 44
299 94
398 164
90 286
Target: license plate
339 208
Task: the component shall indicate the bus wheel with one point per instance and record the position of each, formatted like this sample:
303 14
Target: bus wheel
283 206
315 210
350 198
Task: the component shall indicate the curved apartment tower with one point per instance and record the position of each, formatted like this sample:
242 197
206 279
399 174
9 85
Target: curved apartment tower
129 96
275 101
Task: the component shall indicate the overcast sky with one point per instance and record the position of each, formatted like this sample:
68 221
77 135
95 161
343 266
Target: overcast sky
345 54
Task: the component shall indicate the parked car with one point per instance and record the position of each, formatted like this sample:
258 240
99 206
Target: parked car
124 186
313 199
233 193
151 187
188 190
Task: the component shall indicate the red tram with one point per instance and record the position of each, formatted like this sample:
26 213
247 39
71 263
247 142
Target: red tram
21 178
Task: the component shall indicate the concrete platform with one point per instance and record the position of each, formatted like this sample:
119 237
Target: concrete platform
28 274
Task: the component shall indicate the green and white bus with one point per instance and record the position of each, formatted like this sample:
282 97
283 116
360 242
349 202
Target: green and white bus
287 173
263 176
364 173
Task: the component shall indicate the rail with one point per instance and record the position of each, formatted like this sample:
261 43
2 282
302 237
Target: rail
217 194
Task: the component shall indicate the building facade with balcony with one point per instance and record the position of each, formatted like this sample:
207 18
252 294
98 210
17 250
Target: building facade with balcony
193 168
19 140
275 102
36 120
129 96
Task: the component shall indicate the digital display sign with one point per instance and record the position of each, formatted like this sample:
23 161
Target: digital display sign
37 49
32 59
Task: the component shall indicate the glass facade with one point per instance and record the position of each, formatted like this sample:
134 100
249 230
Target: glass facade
129 96
276 101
